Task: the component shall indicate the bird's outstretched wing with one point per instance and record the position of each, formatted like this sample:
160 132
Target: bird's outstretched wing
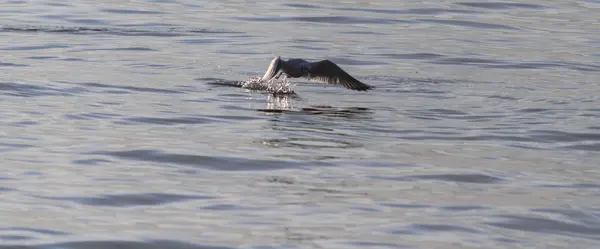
272 70
328 72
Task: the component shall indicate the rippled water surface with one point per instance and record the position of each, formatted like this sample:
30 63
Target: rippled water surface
119 128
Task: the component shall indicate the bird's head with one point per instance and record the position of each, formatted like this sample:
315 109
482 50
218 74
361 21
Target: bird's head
274 67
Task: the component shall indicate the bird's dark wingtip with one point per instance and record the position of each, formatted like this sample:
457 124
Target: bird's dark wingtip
366 88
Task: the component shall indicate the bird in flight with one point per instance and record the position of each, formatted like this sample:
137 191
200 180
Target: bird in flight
323 71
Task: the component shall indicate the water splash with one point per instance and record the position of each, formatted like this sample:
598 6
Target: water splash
274 86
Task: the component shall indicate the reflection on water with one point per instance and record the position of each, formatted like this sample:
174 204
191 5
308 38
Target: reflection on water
279 101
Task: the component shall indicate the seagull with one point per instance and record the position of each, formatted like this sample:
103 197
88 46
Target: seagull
323 71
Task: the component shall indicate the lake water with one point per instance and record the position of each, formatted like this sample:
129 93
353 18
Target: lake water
117 132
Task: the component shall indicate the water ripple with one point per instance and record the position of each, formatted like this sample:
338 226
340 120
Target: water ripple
441 228
462 178
112 244
131 88
502 64
309 143
416 11
324 19
33 230
35 90
5 64
210 162
546 225
469 24
127 200
90 30
413 56
501 5
166 121
128 12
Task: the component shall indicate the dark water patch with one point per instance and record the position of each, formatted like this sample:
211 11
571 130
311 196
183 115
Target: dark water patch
37 47
41 57
166 121
501 5
34 90
467 61
3 189
470 138
224 207
149 65
280 179
469 24
584 217
584 147
458 178
127 200
235 118
413 56
241 52
33 230
221 82
58 4
533 110
562 136
86 21
403 205
210 162
328 111
545 65
416 11
372 244
129 12
157 30
115 49
309 143
72 59
205 41
304 41
363 33
306 6
446 112
6 64
22 123
501 97
113 244
95 161
131 88
546 225
324 19
235 107
442 228
14 237
573 186
463 208
4 147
